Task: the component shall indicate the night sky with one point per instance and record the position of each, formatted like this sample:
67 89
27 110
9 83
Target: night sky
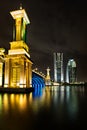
56 26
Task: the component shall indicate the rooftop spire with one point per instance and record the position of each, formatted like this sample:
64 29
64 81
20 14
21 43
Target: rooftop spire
20 6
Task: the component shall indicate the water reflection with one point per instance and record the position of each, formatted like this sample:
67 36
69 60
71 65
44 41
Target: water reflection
63 104
47 95
15 101
64 99
37 92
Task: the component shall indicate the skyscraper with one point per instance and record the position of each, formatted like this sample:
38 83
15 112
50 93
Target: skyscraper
71 71
58 67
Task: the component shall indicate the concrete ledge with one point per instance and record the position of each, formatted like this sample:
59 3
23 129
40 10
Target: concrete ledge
16 90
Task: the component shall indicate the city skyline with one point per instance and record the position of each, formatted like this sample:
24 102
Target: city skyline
55 27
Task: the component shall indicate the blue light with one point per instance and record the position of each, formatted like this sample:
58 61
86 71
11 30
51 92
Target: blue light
37 80
38 83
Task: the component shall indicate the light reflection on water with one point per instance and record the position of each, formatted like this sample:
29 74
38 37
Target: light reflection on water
56 94
10 101
63 104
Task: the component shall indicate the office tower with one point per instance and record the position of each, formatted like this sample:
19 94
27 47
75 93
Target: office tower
58 67
71 71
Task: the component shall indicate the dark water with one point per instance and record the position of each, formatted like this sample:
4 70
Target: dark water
53 108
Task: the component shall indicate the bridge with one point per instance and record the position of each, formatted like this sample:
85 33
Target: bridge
38 79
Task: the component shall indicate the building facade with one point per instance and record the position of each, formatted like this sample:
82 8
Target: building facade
17 64
71 71
2 57
58 67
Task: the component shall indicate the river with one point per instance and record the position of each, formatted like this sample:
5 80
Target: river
54 107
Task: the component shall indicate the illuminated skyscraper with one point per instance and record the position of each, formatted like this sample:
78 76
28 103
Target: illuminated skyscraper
58 67
18 66
71 71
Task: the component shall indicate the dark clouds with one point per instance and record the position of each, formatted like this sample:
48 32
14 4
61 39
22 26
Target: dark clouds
56 26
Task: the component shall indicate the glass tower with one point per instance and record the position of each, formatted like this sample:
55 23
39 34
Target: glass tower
71 71
58 67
